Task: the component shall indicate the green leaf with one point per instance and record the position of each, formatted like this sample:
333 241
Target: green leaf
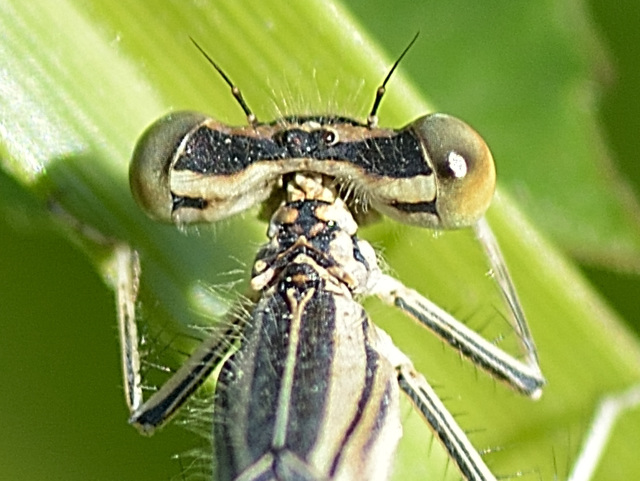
526 76
79 84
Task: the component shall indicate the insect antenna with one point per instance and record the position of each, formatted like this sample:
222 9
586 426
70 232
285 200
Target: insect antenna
235 91
372 119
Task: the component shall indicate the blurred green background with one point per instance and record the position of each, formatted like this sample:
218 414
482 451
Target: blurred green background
62 415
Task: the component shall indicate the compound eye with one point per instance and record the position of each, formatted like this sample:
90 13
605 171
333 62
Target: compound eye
465 175
150 168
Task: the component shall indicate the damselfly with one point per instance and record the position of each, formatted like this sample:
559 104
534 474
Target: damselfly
308 387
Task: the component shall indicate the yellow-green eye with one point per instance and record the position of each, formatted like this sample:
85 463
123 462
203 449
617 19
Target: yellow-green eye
152 161
464 172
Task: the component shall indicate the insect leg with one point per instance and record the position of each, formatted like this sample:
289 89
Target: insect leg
440 420
609 411
525 378
503 279
127 269
148 415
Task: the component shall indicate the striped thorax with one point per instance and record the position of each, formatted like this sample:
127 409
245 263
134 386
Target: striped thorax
321 400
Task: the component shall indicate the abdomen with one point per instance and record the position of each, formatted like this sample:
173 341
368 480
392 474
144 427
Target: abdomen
306 397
